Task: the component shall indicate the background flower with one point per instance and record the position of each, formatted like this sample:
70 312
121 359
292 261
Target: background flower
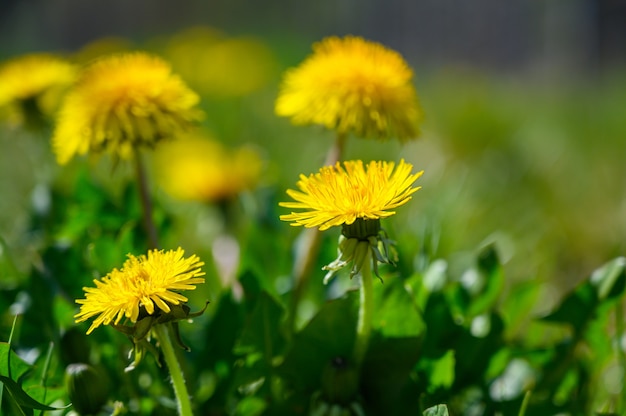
120 102
337 195
352 86
202 169
38 78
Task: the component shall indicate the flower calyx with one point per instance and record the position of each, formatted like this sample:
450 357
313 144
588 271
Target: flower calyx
140 331
358 242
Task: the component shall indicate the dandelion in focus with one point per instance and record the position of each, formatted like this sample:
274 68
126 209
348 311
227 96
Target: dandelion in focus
356 197
147 285
352 85
121 102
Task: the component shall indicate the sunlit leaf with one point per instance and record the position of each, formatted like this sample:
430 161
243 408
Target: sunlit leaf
439 410
396 315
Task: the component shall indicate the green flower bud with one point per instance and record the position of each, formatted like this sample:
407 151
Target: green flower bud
87 387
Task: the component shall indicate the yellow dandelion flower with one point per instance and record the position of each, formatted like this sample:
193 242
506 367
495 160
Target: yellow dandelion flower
121 102
340 195
143 282
352 86
40 77
219 66
202 169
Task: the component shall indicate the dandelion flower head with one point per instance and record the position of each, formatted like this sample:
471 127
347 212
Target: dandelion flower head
352 85
39 76
197 167
148 282
120 102
340 195
221 66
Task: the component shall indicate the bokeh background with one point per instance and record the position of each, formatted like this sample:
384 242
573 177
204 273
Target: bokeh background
525 101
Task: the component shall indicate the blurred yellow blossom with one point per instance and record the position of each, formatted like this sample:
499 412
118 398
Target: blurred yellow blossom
121 102
221 66
102 47
143 283
202 169
352 85
34 82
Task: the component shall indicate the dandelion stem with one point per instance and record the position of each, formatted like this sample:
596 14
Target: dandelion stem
366 310
176 374
146 201
335 153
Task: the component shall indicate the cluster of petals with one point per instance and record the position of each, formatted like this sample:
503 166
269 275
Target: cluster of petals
352 85
149 281
338 195
121 102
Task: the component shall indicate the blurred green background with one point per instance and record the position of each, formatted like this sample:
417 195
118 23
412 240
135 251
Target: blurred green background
525 104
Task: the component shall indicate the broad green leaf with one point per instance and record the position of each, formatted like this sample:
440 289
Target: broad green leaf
385 378
262 330
396 315
328 336
576 308
11 365
21 397
442 371
439 410
516 306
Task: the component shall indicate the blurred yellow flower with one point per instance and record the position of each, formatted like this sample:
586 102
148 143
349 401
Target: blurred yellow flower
102 47
216 65
38 79
202 169
340 195
120 102
142 283
352 86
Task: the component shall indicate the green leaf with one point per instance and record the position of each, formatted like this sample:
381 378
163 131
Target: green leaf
329 335
22 398
250 406
439 410
492 281
385 379
396 315
262 331
11 365
610 279
576 308
442 371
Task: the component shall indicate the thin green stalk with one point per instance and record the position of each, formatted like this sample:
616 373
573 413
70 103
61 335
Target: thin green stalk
335 153
146 200
621 355
44 376
366 311
176 373
524 406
